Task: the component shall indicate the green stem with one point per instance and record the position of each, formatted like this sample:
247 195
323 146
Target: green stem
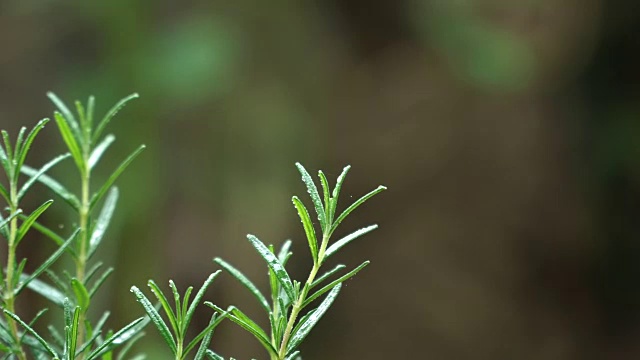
297 307
276 315
180 342
81 263
11 264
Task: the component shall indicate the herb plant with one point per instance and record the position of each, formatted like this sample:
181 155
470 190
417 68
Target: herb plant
288 297
72 291
293 308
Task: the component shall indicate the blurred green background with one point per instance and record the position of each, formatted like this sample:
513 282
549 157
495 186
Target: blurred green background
507 131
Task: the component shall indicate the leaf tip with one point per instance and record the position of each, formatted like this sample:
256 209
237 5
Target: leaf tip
301 168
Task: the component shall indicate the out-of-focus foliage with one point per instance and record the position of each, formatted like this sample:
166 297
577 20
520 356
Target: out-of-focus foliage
505 129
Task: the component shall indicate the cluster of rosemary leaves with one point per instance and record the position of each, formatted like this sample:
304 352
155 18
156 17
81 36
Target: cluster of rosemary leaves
293 308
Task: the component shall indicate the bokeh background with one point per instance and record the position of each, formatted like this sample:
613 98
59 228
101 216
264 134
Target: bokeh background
507 132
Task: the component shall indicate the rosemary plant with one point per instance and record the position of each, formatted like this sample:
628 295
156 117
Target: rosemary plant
179 318
84 142
293 308
13 229
288 297
72 291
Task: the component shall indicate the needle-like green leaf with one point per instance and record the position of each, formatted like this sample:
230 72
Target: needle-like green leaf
274 264
32 333
178 305
114 176
82 295
3 228
27 185
206 340
55 335
332 284
118 336
59 240
99 281
18 271
198 297
129 334
7 144
315 196
92 271
99 150
73 337
204 336
91 105
245 282
68 115
213 355
28 222
326 275
355 205
165 305
293 356
340 181
5 335
110 114
347 239
246 323
93 337
155 318
326 192
54 186
306 326
46 264
100 323
70 140
310 232
81 114
18 144
61 285
185 303
4 222
32 323
123 352
5 161
5 194
336 190
104 219
284 252
24 148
